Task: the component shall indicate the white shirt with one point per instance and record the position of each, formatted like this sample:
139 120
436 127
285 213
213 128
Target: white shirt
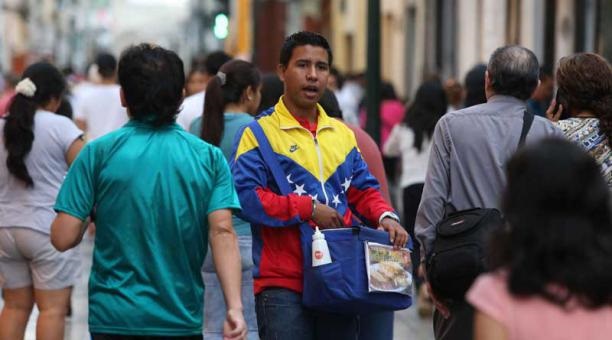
414 163
348 99
21 206
99 105
193 106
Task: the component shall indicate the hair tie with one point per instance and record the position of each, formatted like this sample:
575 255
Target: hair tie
221 77
26 87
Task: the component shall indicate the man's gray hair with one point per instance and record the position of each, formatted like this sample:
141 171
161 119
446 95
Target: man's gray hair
514 71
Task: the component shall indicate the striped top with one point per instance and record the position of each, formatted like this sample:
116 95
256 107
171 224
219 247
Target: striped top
586 132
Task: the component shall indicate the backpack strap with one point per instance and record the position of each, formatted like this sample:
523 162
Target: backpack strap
268 156
527 120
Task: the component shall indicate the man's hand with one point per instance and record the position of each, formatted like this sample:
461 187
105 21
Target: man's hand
234 327
397 234
326 217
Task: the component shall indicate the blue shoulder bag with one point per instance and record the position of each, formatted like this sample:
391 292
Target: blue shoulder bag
343 286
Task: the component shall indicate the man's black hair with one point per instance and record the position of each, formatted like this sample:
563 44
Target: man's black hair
271 90
475 86
514 71
107 65
214 61
300 39
339 77
329 102
152 80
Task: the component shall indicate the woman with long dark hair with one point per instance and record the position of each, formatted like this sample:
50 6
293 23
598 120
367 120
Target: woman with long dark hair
550 266
585 95
37 148
232 99
411 141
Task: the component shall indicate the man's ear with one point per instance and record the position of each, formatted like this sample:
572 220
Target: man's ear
122 96
280 71
249 91
487 79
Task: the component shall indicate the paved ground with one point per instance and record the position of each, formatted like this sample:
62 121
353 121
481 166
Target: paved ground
407 323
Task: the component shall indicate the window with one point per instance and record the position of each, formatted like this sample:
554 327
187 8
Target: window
350 52
409 55
604 29
513 21
549 32
586 24
446 19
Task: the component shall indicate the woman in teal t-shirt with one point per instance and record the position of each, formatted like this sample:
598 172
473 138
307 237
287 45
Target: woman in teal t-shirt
232 99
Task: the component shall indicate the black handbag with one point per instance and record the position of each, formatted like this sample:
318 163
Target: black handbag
459 252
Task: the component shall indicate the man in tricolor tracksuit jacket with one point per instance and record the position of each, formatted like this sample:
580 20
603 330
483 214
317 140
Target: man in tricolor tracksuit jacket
331 188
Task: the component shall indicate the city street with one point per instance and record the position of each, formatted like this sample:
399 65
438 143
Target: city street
408 325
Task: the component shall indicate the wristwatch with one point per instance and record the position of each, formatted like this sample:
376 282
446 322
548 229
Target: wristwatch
314 207
389 214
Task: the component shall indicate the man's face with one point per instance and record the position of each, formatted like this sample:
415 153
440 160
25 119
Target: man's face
305 76
544 91
548 86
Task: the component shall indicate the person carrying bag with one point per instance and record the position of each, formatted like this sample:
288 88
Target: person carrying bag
460 249
343 286
329 186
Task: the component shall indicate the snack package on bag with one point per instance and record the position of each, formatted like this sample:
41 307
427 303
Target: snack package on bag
389 270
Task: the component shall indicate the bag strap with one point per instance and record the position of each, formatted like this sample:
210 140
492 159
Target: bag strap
268 156
527 120
274 166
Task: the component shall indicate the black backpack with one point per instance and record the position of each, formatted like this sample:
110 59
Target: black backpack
459 251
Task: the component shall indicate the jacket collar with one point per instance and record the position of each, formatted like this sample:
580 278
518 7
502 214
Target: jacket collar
286 120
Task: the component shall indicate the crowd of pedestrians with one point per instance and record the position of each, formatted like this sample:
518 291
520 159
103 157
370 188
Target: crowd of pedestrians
194 238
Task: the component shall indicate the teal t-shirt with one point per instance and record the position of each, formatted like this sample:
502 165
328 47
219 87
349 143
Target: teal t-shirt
153 189
233 122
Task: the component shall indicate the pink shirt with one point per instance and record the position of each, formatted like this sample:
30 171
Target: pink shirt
371 155
536 318
391 114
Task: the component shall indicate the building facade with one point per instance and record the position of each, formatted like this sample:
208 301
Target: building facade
420 38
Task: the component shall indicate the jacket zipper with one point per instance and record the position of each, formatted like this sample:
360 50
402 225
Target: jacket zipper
320 158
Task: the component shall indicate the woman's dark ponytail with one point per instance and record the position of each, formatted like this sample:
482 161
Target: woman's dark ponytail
19 125
19 136
213 121
226 87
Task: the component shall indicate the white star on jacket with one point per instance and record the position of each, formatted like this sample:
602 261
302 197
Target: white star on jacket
299 189
346 184
336 200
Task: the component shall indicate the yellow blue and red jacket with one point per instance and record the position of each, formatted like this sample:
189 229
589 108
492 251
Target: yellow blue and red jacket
327 167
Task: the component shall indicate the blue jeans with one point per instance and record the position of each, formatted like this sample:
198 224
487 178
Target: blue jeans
280 316
376 326
214 303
